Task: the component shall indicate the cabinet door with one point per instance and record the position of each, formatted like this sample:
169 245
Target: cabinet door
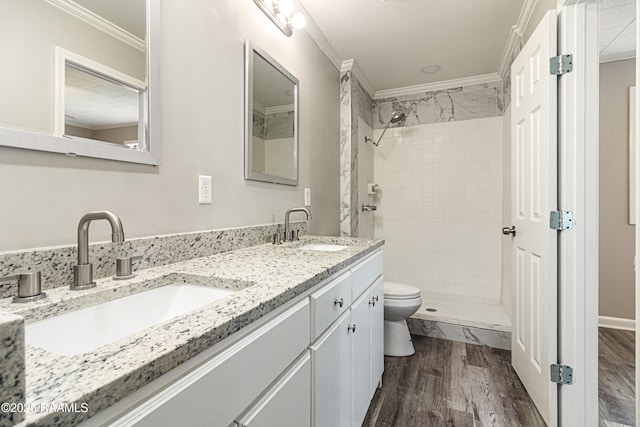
360 359
365 273
287 403
330 364
377 333
218 391
329 303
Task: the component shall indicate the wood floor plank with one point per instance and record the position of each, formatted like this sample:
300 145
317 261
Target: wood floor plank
438 386
449 383
616 377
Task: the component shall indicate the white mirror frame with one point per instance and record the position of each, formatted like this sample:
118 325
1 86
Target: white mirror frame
249 173
104 150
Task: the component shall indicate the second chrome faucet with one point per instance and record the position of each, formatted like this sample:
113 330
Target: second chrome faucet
287 225
83 272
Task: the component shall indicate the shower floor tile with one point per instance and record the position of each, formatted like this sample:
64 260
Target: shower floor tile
462 311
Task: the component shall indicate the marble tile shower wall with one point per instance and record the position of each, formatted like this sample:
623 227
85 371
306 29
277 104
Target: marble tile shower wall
356 106
440 208
348 154
280 125
446 105
273 125
56 263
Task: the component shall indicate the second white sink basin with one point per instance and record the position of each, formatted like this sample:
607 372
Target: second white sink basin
84 330
324 247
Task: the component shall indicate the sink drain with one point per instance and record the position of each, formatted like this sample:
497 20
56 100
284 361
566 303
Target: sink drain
432 310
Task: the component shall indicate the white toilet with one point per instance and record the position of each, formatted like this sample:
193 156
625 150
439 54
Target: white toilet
400 302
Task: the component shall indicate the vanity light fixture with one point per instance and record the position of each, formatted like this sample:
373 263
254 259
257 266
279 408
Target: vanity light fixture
281 14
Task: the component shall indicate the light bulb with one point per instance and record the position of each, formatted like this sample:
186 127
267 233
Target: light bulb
298 21
285 7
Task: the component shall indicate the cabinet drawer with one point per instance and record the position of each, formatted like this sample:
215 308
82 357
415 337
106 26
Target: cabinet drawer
365 273
215 393
329 303
287 403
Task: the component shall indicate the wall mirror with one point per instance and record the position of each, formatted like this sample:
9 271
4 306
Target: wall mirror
271 119
79 80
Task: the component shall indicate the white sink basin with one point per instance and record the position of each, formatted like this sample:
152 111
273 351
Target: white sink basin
84 330
324 247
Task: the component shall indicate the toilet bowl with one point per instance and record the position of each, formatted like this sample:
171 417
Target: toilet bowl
400 302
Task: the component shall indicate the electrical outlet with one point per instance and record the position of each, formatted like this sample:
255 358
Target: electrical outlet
204 190
307 197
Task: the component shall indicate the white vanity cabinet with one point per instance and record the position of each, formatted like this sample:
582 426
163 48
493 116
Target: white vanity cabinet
347 358
331 375
215 393
287 403
316 361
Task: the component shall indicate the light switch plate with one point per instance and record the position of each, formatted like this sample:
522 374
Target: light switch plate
204 189
307 197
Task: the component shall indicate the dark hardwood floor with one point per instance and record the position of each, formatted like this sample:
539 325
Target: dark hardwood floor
448 383
616 377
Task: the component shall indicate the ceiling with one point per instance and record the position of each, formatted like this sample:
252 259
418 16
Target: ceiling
391 40
617 29
95 103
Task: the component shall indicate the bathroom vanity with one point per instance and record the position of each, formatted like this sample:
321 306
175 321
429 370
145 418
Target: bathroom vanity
299 342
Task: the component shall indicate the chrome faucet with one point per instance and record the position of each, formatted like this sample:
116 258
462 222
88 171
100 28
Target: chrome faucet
287 226
83 272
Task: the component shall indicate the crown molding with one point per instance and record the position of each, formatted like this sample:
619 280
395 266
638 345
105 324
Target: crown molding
96 21
621 56
352 65
515 34
445 84
318 36
280 109
259 108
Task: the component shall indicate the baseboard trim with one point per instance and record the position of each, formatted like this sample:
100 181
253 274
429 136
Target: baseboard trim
616 323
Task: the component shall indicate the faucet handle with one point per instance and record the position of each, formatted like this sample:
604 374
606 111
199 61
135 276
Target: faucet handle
29 286
124 267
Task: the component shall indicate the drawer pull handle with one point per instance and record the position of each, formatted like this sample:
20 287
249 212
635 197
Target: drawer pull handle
352 328
374 300
339 302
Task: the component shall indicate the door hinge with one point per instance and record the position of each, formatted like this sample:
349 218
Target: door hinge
561 220
561 374
560 64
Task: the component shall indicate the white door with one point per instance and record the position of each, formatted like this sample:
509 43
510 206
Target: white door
534 195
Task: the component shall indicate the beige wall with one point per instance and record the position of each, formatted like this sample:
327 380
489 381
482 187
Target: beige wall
201 82
540 9
616 278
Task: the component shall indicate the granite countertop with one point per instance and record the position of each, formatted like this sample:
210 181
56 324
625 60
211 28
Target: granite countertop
266 277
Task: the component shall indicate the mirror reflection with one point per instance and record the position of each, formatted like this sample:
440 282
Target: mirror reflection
98 107
272 149
58 97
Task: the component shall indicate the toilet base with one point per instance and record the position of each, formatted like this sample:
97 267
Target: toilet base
397 340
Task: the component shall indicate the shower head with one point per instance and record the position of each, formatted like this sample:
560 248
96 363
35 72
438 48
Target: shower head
398 117
395 118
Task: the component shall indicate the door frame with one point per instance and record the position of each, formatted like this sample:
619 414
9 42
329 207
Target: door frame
578 97
637 248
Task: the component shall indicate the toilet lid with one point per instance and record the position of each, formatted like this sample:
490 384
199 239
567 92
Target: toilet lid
394 290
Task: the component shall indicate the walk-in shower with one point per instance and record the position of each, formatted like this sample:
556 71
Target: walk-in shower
395 118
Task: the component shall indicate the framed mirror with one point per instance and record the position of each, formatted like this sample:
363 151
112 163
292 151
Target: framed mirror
271 119
80 77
